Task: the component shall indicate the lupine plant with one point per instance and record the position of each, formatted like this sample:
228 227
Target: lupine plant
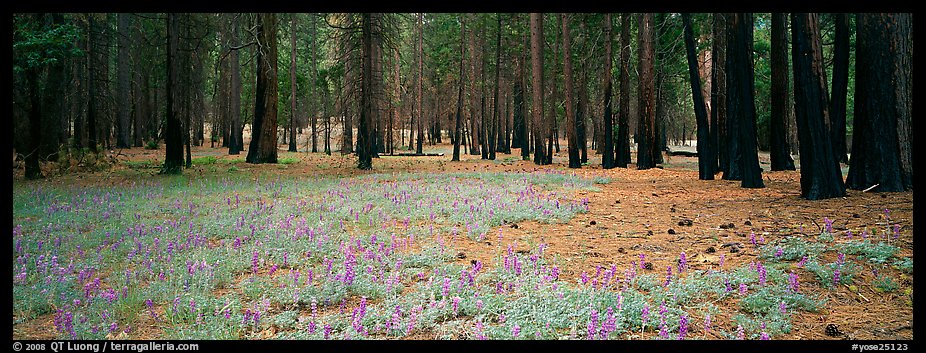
367 257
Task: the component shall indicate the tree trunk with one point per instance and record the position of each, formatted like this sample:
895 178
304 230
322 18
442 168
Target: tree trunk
820 174
521 130
141 89
741 101
536 26
551 135
458 124
395 108
173 138
840 87
581 112
607 150
780 150
122 89
237 135
310 101
263 147
292 80
622 148
647 143
376 82
33 167
881 134
570 113
474 131
494 136
92 65
364 126
485 126
186 76
719 91
80 74
705 150
54 122
420 54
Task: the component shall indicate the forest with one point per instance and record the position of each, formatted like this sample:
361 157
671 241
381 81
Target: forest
434 176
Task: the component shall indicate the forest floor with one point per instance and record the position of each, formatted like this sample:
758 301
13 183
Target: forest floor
661 212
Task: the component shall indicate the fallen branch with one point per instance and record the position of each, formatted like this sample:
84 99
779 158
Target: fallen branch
870 187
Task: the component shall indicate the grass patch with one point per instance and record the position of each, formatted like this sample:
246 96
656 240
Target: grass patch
205 160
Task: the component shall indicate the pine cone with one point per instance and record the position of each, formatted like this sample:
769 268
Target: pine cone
832 330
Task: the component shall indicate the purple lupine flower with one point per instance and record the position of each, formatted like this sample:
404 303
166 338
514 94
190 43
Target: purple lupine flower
312 327
327 331
610 323
740 333
584 277
501 318
515 331
682 263
779 252
644 314
255 261
668 275
479 304
445 289
682 326
663 310
273 269
247 316
828 224
783 307
849 234
664 331
480 335
743 288
591 331
802 262
764 337
642 261
896 231
455 302
396 316
793 283
836 277
762 274
840 259
593 319
722 259
707 323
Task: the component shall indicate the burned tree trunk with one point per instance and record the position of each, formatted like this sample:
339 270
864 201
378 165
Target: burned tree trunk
705 150
820 174
744 158
780 150
882 153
